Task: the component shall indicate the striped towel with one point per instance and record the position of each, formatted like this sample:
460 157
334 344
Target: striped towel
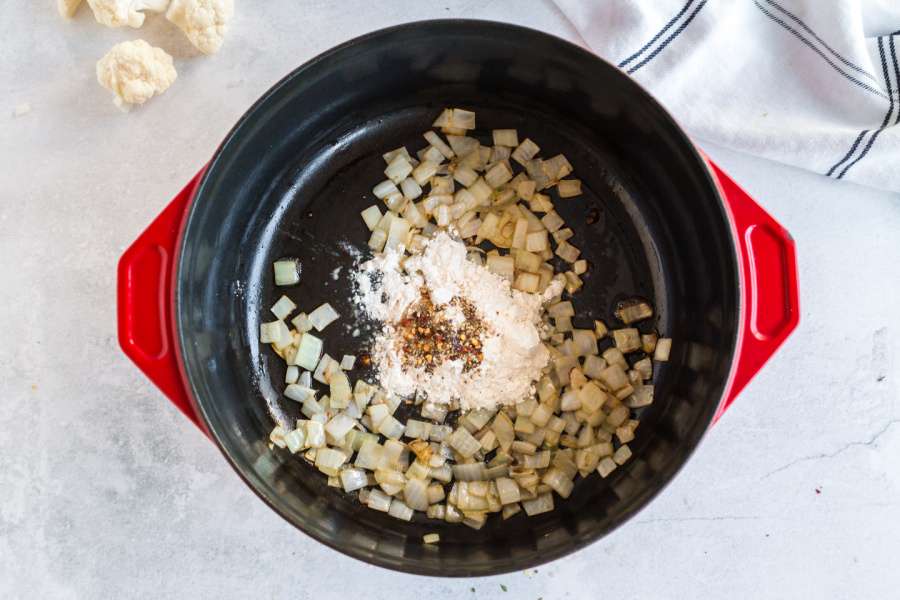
811 83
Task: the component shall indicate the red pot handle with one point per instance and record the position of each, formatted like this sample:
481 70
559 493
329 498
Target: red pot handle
768 281
146 302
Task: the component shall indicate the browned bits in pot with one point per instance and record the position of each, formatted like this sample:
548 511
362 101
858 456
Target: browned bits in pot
428 337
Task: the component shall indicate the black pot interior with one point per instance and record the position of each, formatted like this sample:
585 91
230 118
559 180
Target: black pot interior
291 179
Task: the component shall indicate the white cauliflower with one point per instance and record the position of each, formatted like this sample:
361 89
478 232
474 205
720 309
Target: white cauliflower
204 22
116 13
67 8
135 72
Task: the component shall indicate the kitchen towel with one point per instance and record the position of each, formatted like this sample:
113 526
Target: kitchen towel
811 83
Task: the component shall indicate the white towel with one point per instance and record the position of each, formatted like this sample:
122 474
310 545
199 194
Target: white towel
811 83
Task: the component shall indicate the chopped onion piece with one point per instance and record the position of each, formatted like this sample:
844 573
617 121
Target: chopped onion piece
585 342
567 252
397 236
283 308
410 189
347 362
431 538
323 316
402 151
287 272
607 465
425 171
622 454
557 167
498 174
462 145
385 189
569 188
536 242
481 191
415 492
463 442
436 141
543 503
391 428
573 282
528 261
663 349
525 151
462 119
378 500
627 340
504 266
465 175
276 333
505 137
527 282
353 479
552 221
371 216
562 235
433 155
398 170
291 374
315 434
579 267
308 352
377 240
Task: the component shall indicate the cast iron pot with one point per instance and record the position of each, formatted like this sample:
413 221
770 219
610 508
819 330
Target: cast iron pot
656 220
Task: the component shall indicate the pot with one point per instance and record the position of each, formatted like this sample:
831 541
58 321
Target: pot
657 220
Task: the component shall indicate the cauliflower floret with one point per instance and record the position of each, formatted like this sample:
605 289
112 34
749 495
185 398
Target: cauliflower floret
67 8
204 22
135 72
116 13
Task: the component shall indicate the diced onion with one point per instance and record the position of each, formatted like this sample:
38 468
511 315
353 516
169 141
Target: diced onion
543 503
525 151
396 171
347 362
323 316
569 188
663 348
308 352
377 240
505 137
385 189
463 442
276 333
287 272
627 340
378 500
353 479
567 252
283 308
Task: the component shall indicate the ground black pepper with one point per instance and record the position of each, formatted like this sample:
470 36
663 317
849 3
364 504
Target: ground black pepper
428 337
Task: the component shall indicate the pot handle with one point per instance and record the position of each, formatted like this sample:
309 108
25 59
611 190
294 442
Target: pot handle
769 280
145 301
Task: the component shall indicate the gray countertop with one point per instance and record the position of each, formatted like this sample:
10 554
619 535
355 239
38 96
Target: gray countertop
106 491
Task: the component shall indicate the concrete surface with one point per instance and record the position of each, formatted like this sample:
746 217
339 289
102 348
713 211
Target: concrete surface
107 492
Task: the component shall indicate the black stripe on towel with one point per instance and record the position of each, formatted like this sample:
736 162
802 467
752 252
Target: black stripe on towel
662 32
849 152
812 46
896 73
669 39
807 29
887 117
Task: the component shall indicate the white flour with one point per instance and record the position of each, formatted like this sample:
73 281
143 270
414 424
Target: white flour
513 354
